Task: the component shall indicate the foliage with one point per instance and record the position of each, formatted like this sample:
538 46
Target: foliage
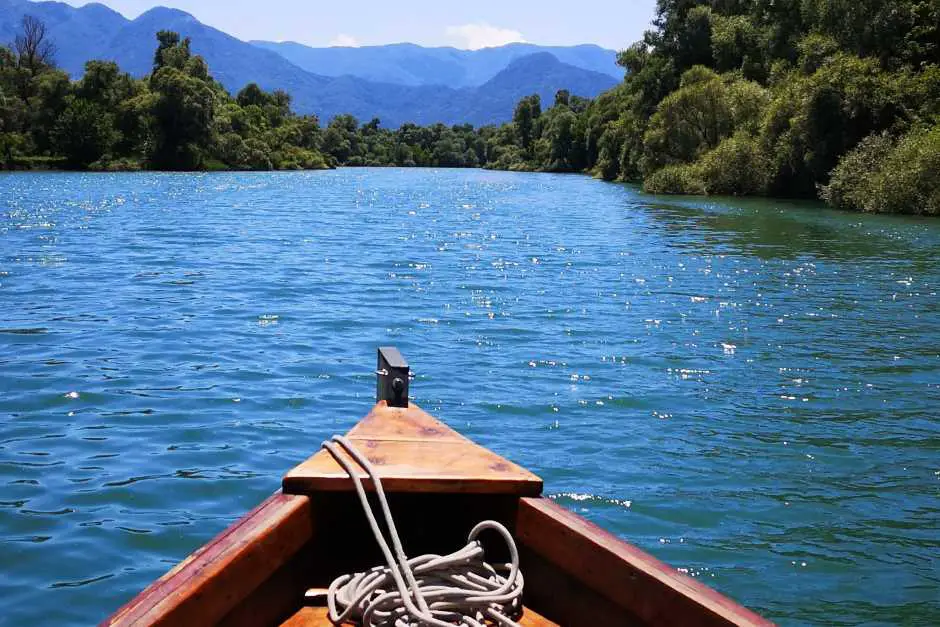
693 119
768 97
736 167
178 118
675 179
84 132
838 99
886 176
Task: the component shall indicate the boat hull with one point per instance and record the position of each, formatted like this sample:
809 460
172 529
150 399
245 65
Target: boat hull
258 571
272 566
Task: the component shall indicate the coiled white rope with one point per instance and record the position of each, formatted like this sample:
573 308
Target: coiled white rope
429 590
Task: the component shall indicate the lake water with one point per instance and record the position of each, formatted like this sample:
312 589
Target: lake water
748 389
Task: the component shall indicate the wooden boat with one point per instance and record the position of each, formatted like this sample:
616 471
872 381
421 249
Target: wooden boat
439 485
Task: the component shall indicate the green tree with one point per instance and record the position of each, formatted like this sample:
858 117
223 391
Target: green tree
84 132
695 118
883 175
33 45
250 95
185 105
105 84
525 118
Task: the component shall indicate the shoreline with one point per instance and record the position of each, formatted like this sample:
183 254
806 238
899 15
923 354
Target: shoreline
817 203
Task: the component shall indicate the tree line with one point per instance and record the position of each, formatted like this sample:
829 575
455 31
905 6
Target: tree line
835 99
177 118
831 99
180 118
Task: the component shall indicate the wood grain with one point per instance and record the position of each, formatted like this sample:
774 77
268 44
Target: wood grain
649 589
568 601
414 452
576 573
203 588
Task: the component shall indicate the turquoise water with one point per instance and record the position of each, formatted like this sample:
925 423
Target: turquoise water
749 390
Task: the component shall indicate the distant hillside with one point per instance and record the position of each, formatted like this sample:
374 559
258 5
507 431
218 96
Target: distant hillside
96 32
409 64
540 73
78 33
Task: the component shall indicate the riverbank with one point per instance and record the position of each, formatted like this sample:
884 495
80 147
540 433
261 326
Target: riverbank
59 164
885 193
824 121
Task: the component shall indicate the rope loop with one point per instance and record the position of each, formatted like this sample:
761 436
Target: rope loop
429 590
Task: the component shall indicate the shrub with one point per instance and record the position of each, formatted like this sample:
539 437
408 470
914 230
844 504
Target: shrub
883 176
814 120
675 179
850 181
738 166
121 164
697 117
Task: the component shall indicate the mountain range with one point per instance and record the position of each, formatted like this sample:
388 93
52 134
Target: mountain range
410 64
397 83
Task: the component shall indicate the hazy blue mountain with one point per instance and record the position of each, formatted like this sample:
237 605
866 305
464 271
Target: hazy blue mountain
409 64
490 103
96 32
541 73
79 33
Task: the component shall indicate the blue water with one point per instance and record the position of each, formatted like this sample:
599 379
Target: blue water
748 389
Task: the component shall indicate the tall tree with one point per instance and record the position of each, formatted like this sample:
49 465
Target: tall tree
527 113
185 105
35 49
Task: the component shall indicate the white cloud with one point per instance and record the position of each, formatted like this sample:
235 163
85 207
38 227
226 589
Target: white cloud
482 35
344 40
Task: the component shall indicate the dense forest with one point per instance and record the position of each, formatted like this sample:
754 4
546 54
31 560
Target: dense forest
836 99
177 118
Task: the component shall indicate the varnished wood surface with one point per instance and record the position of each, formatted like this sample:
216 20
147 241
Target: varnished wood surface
414 452
567 600
318 617
203 588
440 485
651 590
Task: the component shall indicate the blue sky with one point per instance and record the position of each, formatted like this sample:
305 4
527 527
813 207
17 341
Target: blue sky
474 24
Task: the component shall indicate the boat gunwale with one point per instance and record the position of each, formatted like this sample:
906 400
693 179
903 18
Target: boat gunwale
214 579
623 572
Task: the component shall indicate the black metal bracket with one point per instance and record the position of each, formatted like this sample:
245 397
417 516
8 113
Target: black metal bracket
392 376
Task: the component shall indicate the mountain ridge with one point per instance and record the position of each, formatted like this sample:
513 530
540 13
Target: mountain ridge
94 31
411 64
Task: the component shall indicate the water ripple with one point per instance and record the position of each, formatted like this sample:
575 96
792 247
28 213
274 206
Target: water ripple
746 389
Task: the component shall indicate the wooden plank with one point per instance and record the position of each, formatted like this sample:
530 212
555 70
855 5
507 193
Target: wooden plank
567 600
414 452
203 588
393 423
651 590
319 617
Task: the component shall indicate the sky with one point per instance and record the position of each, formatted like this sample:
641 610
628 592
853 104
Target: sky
476 24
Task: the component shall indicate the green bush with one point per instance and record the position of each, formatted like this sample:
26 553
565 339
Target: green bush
884 176
697 117
737 166
122 164
19 162
676 179
849 186
814 120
